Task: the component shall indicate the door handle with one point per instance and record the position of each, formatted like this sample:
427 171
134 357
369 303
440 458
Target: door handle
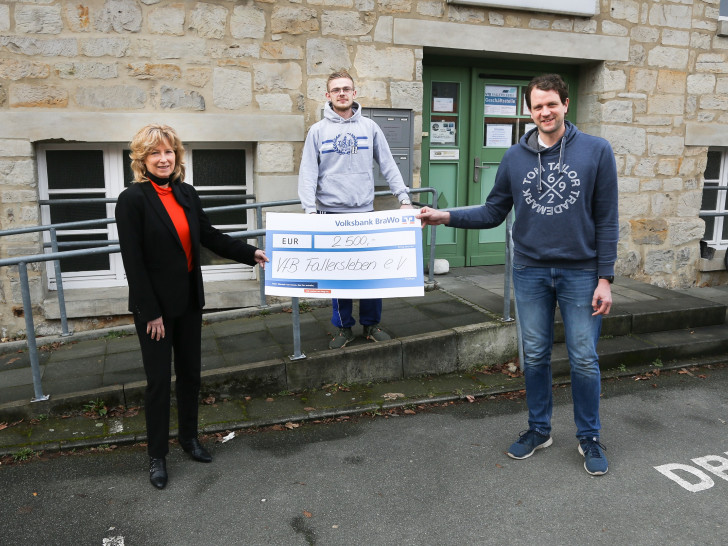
476 169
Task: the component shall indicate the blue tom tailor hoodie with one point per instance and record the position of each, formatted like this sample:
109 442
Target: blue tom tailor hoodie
565 215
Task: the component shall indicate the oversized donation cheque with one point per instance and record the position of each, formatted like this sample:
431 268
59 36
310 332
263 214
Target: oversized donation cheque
352 256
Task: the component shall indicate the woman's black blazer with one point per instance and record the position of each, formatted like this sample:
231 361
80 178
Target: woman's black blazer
154 260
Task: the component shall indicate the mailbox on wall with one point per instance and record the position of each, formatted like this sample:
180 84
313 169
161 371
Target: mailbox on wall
397 128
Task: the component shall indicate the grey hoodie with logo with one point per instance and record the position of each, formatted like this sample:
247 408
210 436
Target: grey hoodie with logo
336 173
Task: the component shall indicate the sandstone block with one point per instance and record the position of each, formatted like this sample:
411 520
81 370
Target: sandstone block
372 90
277 76
610 28
17 173
293 20
700 84
634 206
178 99
17 196
714 102
186 48
116 97
645 34
395 6
232 89
45 96
149 71
665 145
659 261
671 16
167 20
407 95
77 17
345 23
462 14
430 9
666 104
119 16
274 157
391 62
198 76
280 50
86 71
618 111
15 148
248 22
625 140
38 19
274 102
101 47
11 69
685 230
672 37
208 20
4 17
56 47
563 24
649 231
668 57
325 55
628 10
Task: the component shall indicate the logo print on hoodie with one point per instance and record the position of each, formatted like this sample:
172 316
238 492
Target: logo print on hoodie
345 144
554 193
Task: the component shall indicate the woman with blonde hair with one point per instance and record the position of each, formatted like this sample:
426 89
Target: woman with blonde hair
161 229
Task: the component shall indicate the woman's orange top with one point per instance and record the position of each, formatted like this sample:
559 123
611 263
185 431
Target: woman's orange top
179 219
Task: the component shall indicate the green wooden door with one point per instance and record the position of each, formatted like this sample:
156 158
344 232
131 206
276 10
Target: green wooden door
445 142
501 118
471 116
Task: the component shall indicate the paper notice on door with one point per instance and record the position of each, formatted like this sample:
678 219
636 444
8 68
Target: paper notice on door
501 100
443 104
499 135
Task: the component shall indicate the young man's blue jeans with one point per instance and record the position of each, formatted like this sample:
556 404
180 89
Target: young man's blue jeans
537 291
370 312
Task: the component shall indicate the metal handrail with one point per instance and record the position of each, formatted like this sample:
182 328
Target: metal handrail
112 247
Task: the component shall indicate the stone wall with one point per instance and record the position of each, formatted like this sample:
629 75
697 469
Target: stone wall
650 70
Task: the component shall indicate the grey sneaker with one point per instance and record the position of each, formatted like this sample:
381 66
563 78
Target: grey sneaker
341 338
375 333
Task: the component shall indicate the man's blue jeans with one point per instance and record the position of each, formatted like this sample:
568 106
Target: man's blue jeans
538 290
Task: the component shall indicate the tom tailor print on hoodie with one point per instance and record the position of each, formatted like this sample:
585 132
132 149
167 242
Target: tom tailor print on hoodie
336 166
565 215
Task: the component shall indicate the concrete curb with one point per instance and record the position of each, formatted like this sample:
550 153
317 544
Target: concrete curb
438 352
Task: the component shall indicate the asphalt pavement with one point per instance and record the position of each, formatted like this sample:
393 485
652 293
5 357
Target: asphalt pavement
428 474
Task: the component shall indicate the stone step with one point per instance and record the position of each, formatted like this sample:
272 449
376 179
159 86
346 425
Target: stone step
657 348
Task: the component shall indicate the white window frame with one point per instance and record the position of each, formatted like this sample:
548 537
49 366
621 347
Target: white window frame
717 241
114 185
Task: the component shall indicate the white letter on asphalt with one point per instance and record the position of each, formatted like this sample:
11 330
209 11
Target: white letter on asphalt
715 464
669 471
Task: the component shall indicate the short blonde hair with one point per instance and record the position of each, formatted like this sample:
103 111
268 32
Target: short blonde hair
339 74
146 140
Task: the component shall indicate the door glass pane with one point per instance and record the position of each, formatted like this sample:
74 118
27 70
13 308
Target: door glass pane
444 114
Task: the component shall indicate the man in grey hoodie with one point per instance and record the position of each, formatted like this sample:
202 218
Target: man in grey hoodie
336 176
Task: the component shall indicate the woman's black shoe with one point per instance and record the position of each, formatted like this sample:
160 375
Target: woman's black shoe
158 472
196 451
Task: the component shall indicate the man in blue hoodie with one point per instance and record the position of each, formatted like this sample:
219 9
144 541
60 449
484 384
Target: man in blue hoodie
336 176
562 184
